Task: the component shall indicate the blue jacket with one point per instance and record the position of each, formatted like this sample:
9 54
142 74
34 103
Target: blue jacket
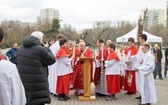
12 55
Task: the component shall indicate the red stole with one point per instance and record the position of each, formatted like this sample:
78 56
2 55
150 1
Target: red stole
105 54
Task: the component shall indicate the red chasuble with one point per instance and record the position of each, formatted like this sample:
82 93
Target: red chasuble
113 81
78 77
64 80
129 82
98 70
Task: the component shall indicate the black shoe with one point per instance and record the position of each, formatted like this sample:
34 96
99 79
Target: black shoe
55 95
97 93
109 98
130 93
66 97
161 78
138 97
101 95
113 95
62 99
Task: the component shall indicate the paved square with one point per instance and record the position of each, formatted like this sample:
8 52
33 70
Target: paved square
121 98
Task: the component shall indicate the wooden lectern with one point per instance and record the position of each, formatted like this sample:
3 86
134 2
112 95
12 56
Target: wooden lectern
87 80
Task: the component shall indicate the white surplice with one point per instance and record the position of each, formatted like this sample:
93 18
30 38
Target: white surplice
112 67
139 57
52 77
147 87
64 66
12 91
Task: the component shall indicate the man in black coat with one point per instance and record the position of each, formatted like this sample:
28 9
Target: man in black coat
166 62
32 62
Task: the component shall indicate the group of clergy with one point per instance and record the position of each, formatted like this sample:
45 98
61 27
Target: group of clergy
129 68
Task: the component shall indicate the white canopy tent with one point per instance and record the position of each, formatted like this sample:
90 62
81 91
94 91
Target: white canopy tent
133 33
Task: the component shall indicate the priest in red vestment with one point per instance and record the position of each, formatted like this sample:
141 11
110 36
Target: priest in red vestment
112 72
64 71
78 77
99 76
130 83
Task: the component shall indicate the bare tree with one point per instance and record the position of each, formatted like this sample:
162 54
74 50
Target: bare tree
69 32
159 30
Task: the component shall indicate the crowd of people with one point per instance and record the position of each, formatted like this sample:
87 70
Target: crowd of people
38 69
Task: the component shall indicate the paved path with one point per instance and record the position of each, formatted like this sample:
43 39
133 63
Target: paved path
121 98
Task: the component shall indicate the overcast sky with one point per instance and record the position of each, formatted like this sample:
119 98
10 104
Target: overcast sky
79 13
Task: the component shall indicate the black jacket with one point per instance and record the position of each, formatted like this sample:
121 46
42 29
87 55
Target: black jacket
166 55
32 62
158 52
